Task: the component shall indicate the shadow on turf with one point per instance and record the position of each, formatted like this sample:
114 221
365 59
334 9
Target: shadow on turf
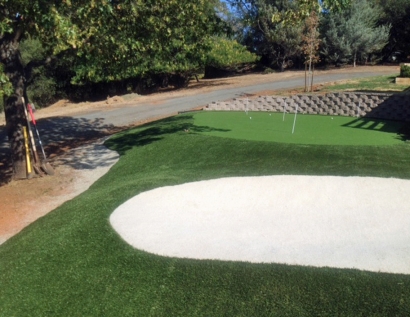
388 126
156 131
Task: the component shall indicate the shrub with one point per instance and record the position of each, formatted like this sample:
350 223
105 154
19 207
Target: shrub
268 70
405 71
5 87
42 91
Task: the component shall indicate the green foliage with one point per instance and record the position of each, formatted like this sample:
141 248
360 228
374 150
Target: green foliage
103 41
40 81
277 42
151 37
42 92
226 53
405 71
273 29
334 4
335 47
304 8
5 87
396 13
120 40
362 31
353 33
268 70
31 49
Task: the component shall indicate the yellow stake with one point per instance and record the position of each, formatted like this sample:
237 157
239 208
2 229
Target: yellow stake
27 151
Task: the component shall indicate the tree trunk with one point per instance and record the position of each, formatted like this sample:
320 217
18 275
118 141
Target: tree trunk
306 83
310 74
311 80
13 104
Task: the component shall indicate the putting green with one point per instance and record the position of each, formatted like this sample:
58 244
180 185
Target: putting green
309 129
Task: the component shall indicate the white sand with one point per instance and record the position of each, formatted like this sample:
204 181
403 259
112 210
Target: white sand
344 222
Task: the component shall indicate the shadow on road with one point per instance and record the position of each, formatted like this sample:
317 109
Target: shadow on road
59 135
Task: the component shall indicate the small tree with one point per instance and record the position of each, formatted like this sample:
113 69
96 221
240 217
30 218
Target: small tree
310 47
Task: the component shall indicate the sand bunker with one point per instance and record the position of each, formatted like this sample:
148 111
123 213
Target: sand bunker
344 222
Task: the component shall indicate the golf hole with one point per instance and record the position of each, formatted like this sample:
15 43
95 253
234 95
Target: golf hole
341 222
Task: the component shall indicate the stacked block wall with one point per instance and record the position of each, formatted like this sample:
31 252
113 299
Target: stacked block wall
374 105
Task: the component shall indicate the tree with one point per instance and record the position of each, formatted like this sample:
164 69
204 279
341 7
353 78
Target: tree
272 28
276 42
163 37
226 56
52 22
305 7
310 46
335 46
112 40
364 35
281 41
396 13
354 32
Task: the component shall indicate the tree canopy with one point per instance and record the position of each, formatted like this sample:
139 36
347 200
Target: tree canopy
396 13
305 7
111 39
354 33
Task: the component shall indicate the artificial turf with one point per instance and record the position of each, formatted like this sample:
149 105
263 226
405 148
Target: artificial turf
72 263
305 129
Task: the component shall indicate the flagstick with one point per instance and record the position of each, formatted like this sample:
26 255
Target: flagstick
284 110
294 121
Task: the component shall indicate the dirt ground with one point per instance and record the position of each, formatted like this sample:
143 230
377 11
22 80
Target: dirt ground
24 201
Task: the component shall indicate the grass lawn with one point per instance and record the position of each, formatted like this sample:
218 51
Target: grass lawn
384 83
72 263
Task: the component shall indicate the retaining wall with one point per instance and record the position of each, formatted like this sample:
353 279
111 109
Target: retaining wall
372 105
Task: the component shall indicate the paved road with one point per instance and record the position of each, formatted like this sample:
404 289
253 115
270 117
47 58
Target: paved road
146 111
